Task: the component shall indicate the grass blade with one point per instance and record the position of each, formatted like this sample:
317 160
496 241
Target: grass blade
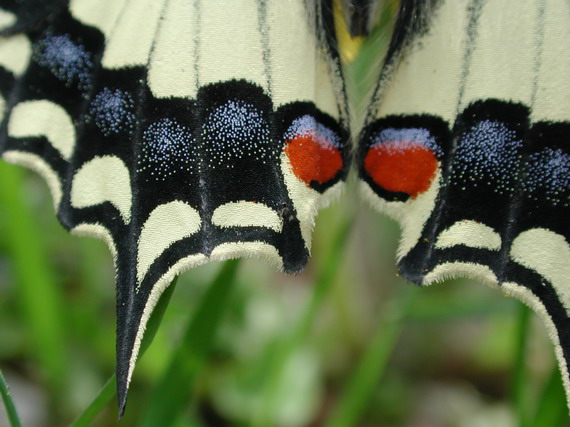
172 392
518 386
552 409
105 395
109 390
365 377
40 298
9 403
285 348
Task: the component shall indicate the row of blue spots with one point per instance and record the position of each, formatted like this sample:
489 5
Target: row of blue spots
67 60
237 130
113 111
407 135
548 176
167 148
487 154
308 126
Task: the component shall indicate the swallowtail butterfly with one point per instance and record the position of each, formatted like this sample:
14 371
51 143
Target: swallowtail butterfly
187 131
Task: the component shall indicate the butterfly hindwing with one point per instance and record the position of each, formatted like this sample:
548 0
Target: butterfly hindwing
178 133
466 144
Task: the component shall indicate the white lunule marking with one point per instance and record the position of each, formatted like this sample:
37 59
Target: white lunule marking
7 19
547 253
246 214
44 118
15 53
454 270
165 225
39 165
232 250
469 233
103 179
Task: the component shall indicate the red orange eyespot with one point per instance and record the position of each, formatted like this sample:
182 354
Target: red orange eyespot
313 151
402 165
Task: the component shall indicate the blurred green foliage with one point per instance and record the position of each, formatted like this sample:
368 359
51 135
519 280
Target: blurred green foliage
345 343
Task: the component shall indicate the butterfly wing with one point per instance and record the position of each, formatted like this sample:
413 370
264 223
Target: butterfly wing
180 132
467 146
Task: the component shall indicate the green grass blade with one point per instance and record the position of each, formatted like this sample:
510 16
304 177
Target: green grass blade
9 403
173 391
286 348
109 390
105 395
552 408
40 298
519 395
361 384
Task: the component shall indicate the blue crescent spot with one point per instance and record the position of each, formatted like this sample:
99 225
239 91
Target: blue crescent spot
415 135
307 125
167 149
548 176
67 61
113 111
236 130
488 153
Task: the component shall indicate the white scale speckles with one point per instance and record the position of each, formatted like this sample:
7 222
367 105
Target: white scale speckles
406 139
307 125
487 154
236 130
67 60
167 148
548 175
112 111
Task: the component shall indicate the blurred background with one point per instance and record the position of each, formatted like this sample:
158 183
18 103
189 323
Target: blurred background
345 343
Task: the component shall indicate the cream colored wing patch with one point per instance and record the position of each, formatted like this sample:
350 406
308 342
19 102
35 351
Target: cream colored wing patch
469 233
246 214
103 179
165 225
548 254
44 118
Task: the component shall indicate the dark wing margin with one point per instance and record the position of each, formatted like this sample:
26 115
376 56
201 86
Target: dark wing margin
466 145
229 156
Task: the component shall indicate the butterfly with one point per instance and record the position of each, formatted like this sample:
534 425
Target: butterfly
182 135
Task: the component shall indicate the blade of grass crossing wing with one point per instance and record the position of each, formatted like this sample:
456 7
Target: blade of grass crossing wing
361 384
285 348
109 390
40 298
11 412
519 393
173 391
105 395
552 409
